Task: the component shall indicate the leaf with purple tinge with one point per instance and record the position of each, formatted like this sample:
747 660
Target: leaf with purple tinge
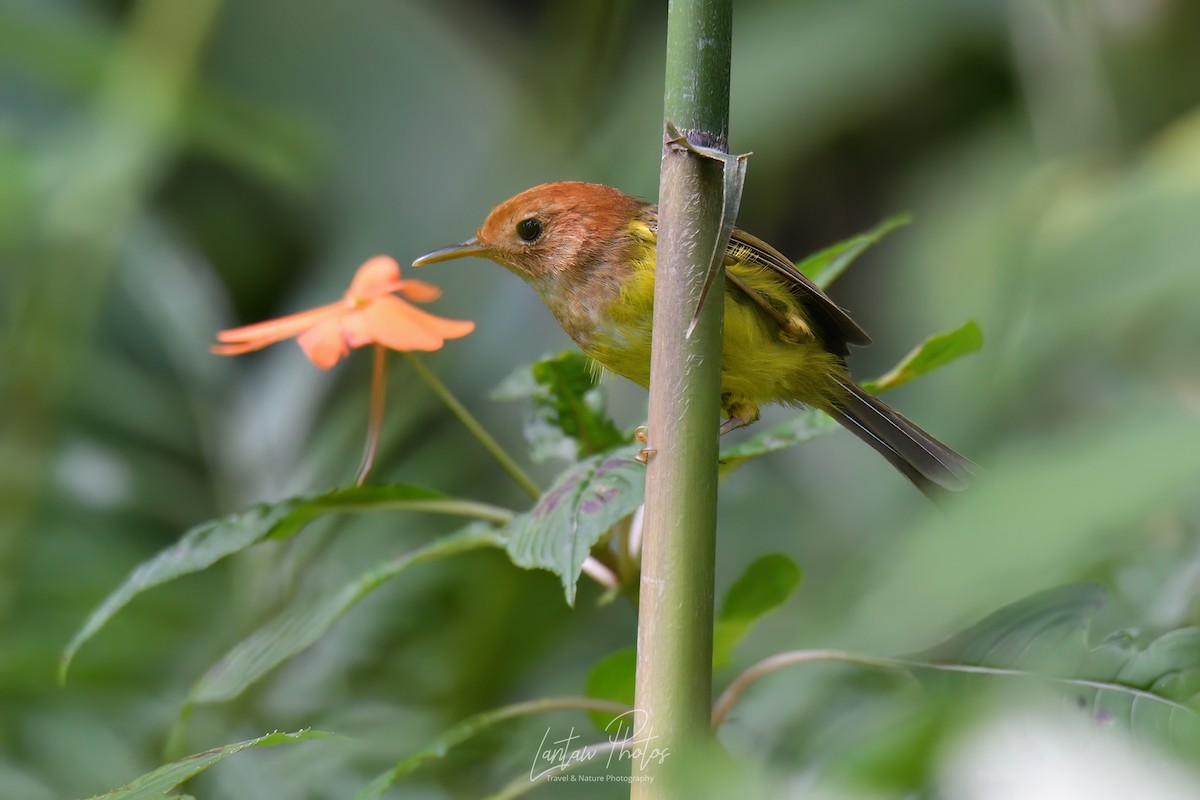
590 497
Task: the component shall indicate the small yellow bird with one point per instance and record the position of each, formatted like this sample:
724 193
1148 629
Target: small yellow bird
589 252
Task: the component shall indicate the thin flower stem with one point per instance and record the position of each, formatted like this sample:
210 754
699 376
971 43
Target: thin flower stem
473 425
375 424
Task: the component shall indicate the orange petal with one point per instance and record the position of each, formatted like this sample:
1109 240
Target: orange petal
276 330
395 324
355 332
324 344
238 349
440 326
375 278
389 323
418 291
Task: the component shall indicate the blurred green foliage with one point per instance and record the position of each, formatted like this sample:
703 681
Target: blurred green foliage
169 169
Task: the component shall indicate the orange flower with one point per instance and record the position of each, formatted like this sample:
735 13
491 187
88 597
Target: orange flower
369 313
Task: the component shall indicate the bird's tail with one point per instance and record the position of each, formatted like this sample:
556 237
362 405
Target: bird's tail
929 464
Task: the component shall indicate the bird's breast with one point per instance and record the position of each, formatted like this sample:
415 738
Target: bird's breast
609 313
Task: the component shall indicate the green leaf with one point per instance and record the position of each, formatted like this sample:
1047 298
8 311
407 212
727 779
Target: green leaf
296 629
808 424
1167 667
208 543
764 586
473 726
613 678
568 419
1152 689
936 351
824 267
587 499
1032 633
155 784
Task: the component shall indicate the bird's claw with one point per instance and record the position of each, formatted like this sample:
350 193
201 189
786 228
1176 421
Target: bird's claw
642 434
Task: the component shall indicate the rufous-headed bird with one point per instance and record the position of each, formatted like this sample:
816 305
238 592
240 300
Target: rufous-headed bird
589 251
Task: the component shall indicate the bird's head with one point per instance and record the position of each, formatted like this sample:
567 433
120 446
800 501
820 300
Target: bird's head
547 232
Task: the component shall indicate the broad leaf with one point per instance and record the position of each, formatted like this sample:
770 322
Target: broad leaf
1166 667
473 726
1153 689
558 532
806 425
765 585
296 629
568 419
208 543
936 351
824 267
154 785
1032 633
613 678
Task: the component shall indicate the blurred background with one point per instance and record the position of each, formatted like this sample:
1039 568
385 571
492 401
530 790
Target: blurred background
172 167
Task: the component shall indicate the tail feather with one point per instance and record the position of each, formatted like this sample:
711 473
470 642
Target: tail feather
929 464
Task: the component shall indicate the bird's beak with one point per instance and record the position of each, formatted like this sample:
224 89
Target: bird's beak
471 247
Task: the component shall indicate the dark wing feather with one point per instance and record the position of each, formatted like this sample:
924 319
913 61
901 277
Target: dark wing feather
831 322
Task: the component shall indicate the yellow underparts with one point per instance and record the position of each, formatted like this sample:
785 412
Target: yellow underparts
762 361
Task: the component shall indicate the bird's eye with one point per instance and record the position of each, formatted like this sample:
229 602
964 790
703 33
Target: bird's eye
529 229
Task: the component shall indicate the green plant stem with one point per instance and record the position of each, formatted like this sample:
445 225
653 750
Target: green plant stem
473 425
478 724
375 421
584 756
793 658
675 616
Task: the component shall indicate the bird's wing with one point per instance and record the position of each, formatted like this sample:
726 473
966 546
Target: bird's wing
833 325
829 319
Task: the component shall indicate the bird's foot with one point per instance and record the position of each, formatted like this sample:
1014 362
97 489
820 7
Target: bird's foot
732 424
740 415
642 434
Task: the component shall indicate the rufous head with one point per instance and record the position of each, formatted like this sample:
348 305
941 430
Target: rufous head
547 230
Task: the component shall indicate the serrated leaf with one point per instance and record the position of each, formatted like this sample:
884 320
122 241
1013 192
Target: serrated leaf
153 785
824 267
470 727
936 351
587 499
806 425
210 542
766 584
613 678
568 419
298 628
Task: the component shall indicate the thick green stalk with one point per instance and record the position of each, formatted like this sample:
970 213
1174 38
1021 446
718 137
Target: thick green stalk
675 616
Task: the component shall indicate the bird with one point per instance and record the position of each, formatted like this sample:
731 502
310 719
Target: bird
588 251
